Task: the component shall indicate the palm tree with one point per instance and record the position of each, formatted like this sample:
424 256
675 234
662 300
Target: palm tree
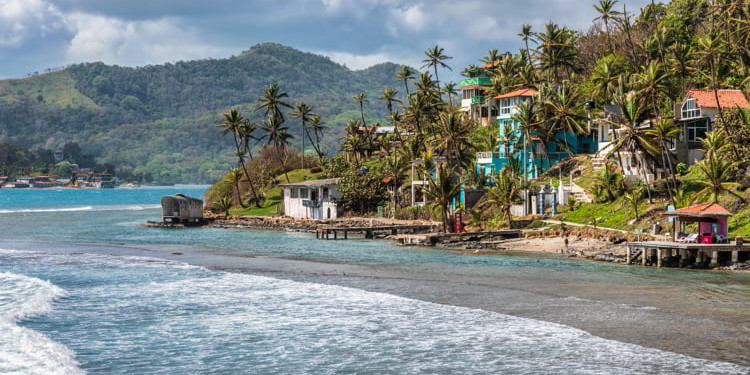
719 178
711 52
389 95
633 199
235 176
564 113
608 181
317 126
303 112
404 75
394 167
505 194
241 130
223 205
632 137
714 142
526 35
441 191
272 102
606 13
277 135
450 90
557 50
453 138
605 76
361 98
492 56
662 134
654 81
435 58
528 123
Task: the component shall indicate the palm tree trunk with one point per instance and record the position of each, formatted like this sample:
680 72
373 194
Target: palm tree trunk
247 175
303 144
283 163
669 186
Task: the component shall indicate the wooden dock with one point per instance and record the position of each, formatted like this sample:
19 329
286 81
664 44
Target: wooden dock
370 232
659 253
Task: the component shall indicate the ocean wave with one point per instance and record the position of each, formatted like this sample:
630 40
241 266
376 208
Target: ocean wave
22 350
130 207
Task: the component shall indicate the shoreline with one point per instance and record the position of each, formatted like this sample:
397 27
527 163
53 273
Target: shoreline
647 316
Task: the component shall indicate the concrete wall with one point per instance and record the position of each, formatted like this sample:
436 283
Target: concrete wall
293 206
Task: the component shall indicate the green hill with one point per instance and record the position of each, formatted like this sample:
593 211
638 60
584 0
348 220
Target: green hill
156 120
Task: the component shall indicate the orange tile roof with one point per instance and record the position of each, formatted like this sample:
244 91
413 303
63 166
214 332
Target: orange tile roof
709 209
521 92
727 98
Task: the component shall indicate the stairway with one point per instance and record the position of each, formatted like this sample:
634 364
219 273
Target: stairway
580 194
598 161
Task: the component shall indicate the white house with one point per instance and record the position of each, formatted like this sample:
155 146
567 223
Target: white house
315 199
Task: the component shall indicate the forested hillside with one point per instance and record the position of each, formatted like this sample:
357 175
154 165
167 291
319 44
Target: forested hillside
156 121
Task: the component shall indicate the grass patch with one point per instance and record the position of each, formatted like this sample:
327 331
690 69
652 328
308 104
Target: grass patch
275 195
54 89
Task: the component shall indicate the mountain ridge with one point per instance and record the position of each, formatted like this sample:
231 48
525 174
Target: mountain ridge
157 119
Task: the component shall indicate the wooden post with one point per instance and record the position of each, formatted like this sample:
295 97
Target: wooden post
346 234
699 257
335 235
735 256
684 257
714 258
627 256
368 234
658 257
643 256
317 234
394 231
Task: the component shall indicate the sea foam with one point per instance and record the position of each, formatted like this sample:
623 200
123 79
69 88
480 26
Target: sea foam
134 207
22 350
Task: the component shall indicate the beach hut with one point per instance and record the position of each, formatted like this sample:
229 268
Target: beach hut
712 221
314 199
180 208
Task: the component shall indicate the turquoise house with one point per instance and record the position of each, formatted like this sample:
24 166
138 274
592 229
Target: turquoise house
492 161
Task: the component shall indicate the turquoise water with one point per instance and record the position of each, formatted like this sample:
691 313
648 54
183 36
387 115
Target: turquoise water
82 312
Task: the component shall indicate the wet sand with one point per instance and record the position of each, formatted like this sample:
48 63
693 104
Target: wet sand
699 321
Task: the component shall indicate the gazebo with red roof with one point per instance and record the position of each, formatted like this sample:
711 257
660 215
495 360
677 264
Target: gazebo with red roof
711 217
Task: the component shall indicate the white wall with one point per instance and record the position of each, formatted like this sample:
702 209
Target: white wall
293 206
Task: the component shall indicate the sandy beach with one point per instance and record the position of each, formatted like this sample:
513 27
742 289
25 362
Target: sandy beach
695 321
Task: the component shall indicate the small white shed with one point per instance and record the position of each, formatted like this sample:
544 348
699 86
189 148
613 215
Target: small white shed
314 199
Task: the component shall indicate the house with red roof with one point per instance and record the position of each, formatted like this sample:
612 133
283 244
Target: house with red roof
696 114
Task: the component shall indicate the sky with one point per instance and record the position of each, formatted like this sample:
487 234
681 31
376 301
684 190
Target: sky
36 35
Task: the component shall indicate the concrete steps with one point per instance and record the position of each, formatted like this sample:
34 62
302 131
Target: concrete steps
580 194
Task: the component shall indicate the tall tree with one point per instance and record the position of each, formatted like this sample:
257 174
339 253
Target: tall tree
504 194
436 57
303 112
361 99
317 126
404 75
278 136
655 81
389 96
441 189
719 178
236 124
663 133
607 13
527 35
272 102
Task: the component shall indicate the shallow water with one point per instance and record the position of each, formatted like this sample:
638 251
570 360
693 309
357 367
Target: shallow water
77 310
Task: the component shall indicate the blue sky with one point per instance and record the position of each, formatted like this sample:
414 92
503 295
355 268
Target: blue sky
40 34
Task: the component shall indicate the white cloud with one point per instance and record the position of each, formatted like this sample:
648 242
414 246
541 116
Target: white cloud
116 41
24 20
357 62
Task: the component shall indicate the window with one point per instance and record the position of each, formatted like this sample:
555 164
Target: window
295 193
672 142
697 129
303 193
505 106
690 110
314 194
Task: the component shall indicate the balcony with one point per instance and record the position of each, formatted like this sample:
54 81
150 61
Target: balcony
489 157
310 203
477 99
481 81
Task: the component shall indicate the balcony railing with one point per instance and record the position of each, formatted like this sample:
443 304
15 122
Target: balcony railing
477 99
310 203
491 155
482 81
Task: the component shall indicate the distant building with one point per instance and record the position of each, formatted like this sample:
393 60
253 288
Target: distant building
546 152
315 199
696 115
